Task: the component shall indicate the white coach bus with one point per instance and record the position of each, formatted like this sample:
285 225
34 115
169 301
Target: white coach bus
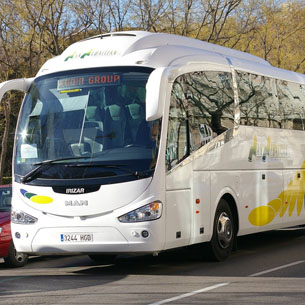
137 142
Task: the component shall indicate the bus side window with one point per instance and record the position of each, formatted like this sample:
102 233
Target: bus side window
177 138
258 102
202 107
210 105
292 103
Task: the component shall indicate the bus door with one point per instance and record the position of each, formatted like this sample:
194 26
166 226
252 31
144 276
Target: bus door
178 180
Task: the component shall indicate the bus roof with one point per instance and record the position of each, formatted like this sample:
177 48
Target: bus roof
139 48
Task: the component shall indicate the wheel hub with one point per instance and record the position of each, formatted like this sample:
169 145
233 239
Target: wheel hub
224 230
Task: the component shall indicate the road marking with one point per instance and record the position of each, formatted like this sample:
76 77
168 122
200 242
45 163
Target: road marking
277 268
189 294
12 279
224 284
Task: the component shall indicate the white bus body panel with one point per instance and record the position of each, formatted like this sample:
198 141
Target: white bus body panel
136 48
221 168
109 234
107 199
179 206
259 183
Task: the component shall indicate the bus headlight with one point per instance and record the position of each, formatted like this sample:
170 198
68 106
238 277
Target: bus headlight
23 218
147 212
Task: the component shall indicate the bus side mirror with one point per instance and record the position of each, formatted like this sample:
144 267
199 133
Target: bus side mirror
21 84
156 93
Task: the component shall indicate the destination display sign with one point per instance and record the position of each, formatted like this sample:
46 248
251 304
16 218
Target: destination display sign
88 80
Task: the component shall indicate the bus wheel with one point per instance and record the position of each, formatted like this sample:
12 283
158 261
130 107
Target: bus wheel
223 232
14 258
101 259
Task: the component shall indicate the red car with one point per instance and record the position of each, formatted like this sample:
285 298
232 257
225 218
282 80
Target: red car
11 257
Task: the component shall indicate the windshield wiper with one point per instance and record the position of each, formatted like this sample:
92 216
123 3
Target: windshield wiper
40 165
119 167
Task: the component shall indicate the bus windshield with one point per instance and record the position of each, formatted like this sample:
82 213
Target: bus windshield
85 124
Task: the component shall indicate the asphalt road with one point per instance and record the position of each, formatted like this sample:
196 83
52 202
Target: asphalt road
268 268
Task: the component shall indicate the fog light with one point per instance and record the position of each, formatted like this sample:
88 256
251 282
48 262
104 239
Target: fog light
144 233
17 235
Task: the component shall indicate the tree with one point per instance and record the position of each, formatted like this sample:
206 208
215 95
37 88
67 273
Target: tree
277 34
6 107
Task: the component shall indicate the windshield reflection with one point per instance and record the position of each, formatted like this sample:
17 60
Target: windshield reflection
94 118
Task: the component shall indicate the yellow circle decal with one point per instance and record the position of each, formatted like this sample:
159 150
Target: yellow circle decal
261 216
276 204
41 199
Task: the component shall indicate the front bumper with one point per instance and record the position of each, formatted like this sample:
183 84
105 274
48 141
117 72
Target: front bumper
49 241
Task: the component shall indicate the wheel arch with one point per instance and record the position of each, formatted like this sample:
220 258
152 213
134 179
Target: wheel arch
224 239
233 206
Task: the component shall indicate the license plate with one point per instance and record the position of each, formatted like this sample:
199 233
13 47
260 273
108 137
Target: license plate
76 237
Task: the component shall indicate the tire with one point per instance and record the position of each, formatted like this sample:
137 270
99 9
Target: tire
224 235
101 259
14 258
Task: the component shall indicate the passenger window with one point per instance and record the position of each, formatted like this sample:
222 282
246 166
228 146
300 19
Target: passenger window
210 105
292 101
258 103
177 147
202 107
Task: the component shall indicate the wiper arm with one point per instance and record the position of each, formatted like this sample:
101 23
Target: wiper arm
119 167
40 165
